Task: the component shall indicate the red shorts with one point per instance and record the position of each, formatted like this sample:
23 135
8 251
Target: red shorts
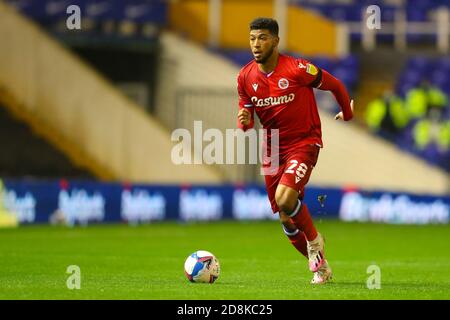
294 171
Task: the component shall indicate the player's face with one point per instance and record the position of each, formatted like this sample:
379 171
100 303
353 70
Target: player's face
262 44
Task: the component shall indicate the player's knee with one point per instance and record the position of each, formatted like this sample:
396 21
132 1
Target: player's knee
285 203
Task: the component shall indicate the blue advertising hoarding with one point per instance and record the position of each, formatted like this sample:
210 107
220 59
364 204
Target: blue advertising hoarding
84 202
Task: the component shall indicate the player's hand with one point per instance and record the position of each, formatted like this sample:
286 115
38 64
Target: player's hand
244 117
340 115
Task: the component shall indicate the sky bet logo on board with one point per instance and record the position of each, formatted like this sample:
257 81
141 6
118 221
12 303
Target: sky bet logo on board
139 206
251 204
24 208
79 206
197 204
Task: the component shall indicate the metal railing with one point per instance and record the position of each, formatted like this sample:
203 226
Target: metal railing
400 28
216 109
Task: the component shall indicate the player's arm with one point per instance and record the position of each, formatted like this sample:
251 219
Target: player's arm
326 81
246 108
311 76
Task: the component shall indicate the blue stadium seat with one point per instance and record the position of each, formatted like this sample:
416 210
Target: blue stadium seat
440 79
323 62
142 11
139 11
388 14
101 10
45 11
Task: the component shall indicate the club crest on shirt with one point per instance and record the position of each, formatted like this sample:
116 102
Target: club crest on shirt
283 83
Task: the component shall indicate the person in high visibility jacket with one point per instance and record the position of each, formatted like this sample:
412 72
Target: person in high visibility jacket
387 113
422 99
375 112
422 134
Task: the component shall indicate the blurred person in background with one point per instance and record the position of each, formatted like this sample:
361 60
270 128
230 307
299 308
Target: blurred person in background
424 98
387 115
431 136
375 112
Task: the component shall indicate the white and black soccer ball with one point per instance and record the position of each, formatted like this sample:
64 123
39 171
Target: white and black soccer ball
202 266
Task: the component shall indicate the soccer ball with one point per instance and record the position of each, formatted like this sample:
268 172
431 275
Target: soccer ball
202 266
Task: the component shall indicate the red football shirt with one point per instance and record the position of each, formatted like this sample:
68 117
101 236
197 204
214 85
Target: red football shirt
283 100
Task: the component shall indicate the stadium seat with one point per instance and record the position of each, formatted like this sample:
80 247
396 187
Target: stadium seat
49 13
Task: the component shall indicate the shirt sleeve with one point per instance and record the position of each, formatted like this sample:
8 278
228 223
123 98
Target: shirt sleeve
244 102
307 74
339 91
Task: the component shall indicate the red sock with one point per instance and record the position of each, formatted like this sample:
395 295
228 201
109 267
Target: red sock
303 221
298 240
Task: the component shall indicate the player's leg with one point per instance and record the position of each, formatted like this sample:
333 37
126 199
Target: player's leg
294 210
295 236
289 198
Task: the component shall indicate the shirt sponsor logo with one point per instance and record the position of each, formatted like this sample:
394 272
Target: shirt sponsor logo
283 83
273 101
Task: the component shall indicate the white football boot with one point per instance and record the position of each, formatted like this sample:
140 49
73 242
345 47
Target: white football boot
323 275
316 253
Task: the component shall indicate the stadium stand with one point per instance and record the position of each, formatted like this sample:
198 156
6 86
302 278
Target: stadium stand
119 39
414 114
24 154
127 144
187 88
352 12
124 19
418 68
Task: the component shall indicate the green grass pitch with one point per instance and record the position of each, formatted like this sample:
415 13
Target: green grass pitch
257 261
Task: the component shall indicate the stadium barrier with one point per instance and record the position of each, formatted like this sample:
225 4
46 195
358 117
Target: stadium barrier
84 202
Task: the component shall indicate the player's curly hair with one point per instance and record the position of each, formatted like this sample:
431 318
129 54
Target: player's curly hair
265 23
